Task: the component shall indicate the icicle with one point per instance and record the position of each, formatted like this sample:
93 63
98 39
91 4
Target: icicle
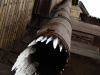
22 56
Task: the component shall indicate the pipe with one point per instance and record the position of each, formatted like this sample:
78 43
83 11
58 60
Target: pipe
49 51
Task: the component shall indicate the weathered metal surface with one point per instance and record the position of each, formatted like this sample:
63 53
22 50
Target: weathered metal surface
68 3
60 26
62 7
56 29
63 14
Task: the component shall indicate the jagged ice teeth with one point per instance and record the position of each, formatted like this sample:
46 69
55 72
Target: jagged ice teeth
61 47
66 65
60 72
32 43
38 31
66 50
39 39
55 43
35 73
44 39
67 61
50 39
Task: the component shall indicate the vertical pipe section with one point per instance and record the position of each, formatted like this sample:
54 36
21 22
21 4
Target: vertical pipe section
60 25
50 47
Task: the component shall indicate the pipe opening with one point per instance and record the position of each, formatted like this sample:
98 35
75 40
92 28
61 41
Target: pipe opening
51 61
